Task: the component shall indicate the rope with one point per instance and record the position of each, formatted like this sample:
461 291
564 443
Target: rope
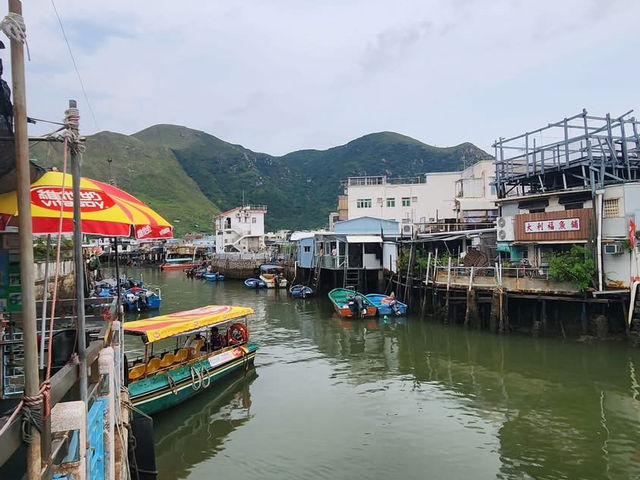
13 27
57 269
34 409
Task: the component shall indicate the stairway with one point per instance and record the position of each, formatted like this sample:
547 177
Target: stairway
317 271
351 278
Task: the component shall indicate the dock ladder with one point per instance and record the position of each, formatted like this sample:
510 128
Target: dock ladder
317 271
351 278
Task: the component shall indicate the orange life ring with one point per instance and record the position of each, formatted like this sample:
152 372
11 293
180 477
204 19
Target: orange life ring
238 334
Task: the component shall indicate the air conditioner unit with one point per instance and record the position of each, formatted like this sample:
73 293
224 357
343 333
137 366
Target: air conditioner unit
613 249
504 229
407 230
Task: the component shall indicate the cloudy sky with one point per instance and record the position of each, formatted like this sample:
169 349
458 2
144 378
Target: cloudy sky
281 75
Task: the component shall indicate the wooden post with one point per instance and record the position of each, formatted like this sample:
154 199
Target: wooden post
27 274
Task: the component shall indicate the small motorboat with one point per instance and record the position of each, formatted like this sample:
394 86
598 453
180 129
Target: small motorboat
213 276
255 283
387 305
351 304
137 299
273 276
301 291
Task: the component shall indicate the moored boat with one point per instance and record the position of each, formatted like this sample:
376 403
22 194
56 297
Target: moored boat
158 381
213 277
387 304
179 263
273 276
136 299
301 291
349 303
254 283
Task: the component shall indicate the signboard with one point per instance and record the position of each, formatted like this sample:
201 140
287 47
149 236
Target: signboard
227 356
559 225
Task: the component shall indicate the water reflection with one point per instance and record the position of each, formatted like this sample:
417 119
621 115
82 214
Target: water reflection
199 431
410 398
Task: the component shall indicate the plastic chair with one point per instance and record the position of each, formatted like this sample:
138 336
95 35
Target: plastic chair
137 371
167 360
181 355
153 365
194 350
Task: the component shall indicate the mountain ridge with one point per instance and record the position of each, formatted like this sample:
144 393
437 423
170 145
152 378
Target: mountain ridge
190 175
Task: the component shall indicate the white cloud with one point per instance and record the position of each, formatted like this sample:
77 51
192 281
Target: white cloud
287 74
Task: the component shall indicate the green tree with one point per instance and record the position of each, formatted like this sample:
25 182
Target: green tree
575 266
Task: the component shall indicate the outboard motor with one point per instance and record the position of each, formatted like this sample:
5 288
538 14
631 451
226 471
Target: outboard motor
359 304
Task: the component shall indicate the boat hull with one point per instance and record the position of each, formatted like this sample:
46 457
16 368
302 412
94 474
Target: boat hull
254 283
170 388
178 266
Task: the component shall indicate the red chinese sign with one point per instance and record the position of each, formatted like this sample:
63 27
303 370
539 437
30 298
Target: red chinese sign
560 225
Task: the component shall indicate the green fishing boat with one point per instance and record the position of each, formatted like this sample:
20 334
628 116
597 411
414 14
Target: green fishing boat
351 304
186 353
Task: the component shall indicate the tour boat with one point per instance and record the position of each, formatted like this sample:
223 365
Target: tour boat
173 371
349 303
387 305
273 276
301 291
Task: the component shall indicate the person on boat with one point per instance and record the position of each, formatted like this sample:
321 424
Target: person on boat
195 344
217 341
392 302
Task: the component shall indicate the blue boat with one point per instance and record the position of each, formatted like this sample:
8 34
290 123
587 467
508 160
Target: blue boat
137 299
254 283
301 291
387 305
213 277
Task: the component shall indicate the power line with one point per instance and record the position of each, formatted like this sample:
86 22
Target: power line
75 66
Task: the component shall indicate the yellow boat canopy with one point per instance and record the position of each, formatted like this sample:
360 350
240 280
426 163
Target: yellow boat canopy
165 326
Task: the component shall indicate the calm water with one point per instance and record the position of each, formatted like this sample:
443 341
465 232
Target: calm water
413 400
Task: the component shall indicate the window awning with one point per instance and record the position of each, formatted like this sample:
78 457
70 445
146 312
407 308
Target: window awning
364 239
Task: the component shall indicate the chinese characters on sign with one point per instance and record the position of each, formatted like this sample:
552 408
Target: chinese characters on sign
560 225
53 197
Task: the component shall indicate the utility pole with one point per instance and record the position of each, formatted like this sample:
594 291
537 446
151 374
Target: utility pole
23 187
72 119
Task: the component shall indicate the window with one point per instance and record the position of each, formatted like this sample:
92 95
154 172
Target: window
493 189
406 201
573 206
307 249
536 210
363 203
254 220
391 202
611 208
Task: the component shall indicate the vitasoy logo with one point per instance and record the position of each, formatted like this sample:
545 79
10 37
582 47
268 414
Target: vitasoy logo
53 197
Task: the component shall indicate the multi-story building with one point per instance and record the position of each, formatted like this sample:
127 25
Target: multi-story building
241 229
581 189
439 197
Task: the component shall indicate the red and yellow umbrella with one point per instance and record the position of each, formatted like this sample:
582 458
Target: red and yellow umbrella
104 209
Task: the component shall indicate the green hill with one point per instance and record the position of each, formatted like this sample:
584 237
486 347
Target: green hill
149 172
189 175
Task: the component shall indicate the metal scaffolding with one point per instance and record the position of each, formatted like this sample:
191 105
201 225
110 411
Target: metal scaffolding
581 152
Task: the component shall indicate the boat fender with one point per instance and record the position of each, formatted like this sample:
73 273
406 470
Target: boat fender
172 384
204 375
196 379
238 334
142 455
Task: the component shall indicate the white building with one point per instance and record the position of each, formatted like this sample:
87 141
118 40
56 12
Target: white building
476 193
241 229
432 197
